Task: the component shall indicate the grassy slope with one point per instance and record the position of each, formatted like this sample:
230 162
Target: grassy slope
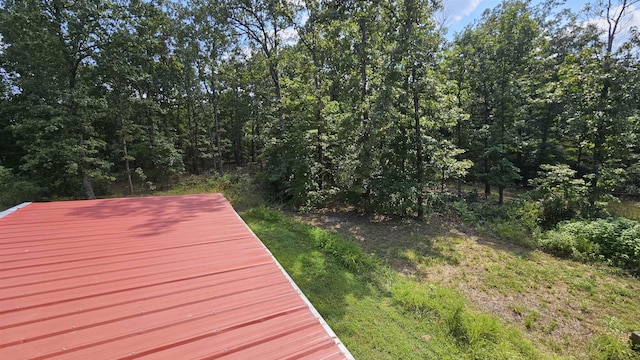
378 313
571 309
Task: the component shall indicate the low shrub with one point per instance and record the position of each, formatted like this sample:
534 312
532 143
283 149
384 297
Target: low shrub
610 347
515 221
560 195
463 210
238 187
15 190
512 231
616 241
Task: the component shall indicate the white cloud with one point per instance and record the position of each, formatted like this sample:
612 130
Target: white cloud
455 10
462 8
247 52
631 19
289 35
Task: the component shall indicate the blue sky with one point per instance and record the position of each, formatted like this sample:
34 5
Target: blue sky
462 12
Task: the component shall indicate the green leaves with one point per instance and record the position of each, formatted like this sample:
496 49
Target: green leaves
350 101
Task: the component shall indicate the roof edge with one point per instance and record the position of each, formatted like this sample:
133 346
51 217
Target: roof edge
313 310
13 209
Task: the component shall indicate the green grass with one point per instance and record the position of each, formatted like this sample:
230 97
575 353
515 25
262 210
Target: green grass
566 307
562 292
376 312
627 209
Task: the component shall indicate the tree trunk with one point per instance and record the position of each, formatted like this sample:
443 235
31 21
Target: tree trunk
319 120
459 134
257 136
216 123
196 146
218 142
487 184
487 188
543 148
275 76
126 164
125 149
366 155
500 194
150 127
193 129
253 143
419 157
88 187
237 142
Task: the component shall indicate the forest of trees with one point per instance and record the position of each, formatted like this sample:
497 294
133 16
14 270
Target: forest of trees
365 101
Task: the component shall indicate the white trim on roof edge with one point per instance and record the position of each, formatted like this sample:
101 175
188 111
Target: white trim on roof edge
313 310
13 209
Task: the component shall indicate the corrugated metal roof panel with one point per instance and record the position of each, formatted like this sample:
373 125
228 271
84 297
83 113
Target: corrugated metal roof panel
158 277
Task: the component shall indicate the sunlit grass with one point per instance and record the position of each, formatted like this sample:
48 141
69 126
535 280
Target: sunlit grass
378 313
569 308
546 294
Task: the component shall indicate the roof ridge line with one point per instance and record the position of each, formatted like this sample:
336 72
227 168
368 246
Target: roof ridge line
13 209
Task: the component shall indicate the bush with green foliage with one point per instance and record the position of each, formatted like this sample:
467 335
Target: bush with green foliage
238 187
615 241
292 172
559 194
630 184
392 195
15 190
516 221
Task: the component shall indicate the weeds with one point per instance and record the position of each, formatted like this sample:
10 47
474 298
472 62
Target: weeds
515 221
615 241
611 347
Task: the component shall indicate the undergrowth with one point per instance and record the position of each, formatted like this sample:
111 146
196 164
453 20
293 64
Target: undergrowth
482 336
15 190
242 191
614 241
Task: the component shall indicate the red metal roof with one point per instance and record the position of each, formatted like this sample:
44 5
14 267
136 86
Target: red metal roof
158 277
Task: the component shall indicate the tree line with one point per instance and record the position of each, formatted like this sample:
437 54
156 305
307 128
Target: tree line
365 101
